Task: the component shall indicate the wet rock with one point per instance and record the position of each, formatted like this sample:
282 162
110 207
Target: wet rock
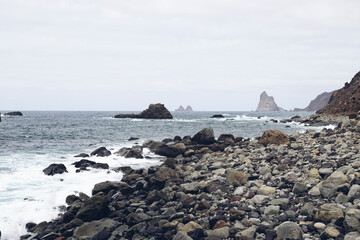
101 152
55 169
82 155
168 151
95 208
226 138
133 152
217 116
106 187
205 136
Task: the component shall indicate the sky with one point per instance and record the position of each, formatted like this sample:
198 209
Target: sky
213 55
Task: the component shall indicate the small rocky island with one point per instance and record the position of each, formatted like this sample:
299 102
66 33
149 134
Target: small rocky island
13 114
154 111
318 103
182 109
267 103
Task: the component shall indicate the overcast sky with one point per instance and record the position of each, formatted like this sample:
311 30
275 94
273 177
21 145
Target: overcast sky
212 55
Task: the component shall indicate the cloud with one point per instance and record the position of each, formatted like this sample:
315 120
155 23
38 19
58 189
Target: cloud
163 47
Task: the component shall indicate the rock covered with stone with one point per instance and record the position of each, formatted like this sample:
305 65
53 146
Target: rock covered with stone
306 189
267 103
154 111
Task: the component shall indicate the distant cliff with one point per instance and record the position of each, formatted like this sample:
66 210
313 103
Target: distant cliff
267 103
318 103
182 109
345 100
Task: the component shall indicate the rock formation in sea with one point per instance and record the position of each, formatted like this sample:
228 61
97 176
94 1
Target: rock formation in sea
154 111
318 103
345 100
13 114
182 109
189 108
267 103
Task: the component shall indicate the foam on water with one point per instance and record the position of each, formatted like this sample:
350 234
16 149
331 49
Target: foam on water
28 195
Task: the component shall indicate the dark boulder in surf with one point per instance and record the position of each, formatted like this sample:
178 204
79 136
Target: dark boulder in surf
205 136
101 152
55 168
217 116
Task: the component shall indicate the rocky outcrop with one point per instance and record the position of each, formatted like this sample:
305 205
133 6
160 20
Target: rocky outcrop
188 108
55 169
182 109
318 103
267 103
346 100
155 111
13 114
217 116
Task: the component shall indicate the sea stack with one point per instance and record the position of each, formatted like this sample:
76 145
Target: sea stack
154 111
346 100
318 103
180 109
189 108
267 103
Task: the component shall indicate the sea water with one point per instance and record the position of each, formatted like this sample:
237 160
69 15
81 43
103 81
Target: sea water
31 143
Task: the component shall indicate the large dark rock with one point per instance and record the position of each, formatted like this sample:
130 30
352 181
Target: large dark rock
94 208
13 114
99 230
82 155
83 164
345 100
205 136
106 187
134 152
154 111
101 152
167 151
226 138
55 168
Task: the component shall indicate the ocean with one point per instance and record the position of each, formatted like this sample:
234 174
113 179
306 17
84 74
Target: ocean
31 143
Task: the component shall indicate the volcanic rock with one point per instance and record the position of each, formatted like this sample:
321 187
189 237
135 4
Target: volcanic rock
267 103
55 169
345 100
154 111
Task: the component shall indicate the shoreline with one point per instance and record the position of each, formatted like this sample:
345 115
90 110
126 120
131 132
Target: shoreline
232 188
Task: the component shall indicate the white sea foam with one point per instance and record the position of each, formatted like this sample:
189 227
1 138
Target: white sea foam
28 195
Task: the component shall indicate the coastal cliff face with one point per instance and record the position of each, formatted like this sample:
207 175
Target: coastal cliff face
345 100
267 103
318 103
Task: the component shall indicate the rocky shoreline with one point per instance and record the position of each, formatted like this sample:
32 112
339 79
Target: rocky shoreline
302 186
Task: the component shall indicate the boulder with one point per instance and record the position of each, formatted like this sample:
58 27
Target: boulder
236 178
328 211
154 111
101 229
94 208
134 152
168 151
55 169
101 152
289 230
226 138
274 137
205 136
106 187
165 174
